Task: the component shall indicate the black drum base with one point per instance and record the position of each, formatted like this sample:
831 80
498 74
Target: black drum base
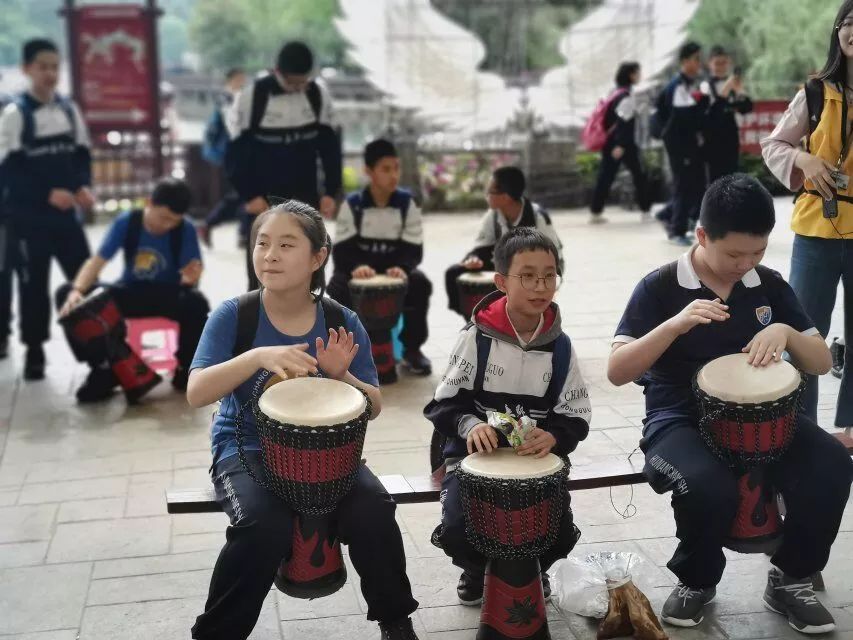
513 602
316 567
757 526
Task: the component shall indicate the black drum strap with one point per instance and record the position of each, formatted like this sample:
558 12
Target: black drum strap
249 311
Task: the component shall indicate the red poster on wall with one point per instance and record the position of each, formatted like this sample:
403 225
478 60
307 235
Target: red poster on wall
115 66
758 124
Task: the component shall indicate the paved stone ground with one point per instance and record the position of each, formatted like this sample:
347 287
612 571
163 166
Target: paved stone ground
87 549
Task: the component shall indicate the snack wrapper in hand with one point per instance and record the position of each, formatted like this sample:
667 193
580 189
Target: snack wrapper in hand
515 429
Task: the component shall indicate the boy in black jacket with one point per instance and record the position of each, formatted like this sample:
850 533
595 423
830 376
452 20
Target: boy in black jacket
512 354
379 230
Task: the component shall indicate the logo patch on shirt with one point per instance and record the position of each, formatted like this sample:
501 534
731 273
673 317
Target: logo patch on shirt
147 264
764 315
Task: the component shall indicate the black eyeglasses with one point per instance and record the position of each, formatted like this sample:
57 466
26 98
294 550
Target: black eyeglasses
530 282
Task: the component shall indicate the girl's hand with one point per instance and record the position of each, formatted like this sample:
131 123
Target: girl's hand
699 312
288 362
817 171
538 443
482 438
337 354
768 345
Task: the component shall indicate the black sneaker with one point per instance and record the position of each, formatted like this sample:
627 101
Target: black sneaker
204 234
546 586
4 348
837 351
388 377
683 607
470 589
34 363
796 599
99 385
399 630
680 241
180 378
417 363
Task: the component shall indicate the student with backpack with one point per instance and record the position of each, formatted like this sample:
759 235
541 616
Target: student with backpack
162 268
214 146
46 168
280 131
614 124
512 354
679 120
823 214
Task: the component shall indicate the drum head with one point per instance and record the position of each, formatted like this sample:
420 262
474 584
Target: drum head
732 379
477 277
505 463
379 280
312 402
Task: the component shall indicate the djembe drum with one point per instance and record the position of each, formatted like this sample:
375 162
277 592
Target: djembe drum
96 331
513 506
749 416
473 286
378 301
311 432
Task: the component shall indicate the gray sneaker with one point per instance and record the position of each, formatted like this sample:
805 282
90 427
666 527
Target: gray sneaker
796 599
683 607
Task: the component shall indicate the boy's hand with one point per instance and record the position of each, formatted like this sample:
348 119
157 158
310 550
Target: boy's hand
287 362
362 272
617 153
482 438
337 354
85 198
396 272
473 263
255 206
699 312
537 443
74 298
191 273
768 345
61 199
327 207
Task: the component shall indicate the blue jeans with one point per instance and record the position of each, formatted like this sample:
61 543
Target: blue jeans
817 264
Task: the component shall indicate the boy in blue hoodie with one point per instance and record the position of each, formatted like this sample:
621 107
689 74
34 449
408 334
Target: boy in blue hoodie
512 354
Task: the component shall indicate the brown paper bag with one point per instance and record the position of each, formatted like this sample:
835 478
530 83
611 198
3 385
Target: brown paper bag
630 614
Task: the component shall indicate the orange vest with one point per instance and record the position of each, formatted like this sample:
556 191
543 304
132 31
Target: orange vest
825 143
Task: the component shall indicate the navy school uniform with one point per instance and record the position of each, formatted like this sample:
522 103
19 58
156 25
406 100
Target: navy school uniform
490 369
43 146
493 225
150 284
381 238
261 524
814 475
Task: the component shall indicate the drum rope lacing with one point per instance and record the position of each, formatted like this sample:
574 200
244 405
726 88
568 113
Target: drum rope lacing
306 497
527 498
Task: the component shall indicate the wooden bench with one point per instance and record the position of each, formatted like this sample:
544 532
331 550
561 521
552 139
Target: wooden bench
417 489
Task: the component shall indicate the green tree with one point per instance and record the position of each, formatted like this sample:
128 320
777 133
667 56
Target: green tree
220 33
174 40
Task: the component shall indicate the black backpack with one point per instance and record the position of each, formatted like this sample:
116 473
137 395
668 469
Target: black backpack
134 231
249 310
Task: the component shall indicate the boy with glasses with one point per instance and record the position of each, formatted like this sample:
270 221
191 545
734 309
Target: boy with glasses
512 355
508 209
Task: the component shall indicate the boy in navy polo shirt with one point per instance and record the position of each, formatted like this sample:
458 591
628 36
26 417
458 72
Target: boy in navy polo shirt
714 301
162 266
46 167
379 230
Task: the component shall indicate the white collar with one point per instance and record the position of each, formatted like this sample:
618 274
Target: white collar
536 332
688 278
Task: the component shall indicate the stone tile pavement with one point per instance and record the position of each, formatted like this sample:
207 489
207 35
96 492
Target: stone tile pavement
87 549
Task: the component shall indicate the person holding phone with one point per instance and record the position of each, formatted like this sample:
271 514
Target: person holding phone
727 98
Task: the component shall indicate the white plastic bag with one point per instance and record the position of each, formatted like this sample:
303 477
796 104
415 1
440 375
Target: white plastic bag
580 584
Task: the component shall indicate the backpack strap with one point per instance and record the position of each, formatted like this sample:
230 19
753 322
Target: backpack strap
667 279
315 99
496 225
484 347
814 103
249 312
131 238
560 361
260 98
355 204
28 130
176 243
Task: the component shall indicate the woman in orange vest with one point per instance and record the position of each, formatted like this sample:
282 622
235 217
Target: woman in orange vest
823 214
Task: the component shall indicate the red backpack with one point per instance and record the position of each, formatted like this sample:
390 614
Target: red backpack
594 135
